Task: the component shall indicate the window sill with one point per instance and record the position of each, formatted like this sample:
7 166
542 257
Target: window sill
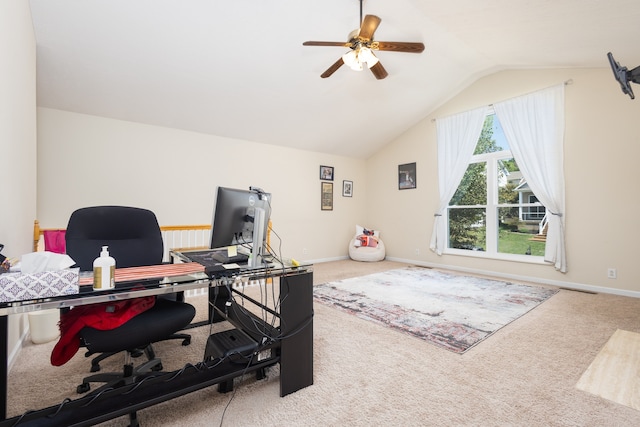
529 259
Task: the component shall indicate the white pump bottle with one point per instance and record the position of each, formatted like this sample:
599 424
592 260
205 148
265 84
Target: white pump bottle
104 268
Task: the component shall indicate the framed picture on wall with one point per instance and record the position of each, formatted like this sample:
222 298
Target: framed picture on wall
407 176
326 173
326 198
347 188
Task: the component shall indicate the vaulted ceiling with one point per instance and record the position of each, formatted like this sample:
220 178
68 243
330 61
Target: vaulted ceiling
237 68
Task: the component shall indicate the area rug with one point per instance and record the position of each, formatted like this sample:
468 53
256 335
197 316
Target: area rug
453 311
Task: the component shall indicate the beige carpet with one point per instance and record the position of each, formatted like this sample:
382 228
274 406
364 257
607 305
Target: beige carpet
369 375
615 372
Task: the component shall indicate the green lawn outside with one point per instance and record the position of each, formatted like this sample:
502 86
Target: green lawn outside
518 243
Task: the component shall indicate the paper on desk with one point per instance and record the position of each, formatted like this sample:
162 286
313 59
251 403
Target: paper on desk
232 266
36 262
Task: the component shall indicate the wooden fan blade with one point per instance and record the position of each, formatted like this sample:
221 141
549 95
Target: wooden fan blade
379 71
399 46
332 69
312 43
369 25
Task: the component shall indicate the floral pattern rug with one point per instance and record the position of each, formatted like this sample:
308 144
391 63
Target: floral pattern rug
451 310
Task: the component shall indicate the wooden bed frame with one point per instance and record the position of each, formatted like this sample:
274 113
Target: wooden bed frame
192 237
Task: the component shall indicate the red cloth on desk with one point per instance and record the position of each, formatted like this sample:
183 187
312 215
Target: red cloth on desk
102 316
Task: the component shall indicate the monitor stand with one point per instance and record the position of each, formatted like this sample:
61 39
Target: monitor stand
257 247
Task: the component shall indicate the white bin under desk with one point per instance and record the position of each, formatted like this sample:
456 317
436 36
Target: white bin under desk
43 325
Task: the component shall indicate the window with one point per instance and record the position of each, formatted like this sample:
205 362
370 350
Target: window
493 211
532 213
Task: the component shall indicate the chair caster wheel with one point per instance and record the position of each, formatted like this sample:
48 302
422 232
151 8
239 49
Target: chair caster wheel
83 388
157 368
95 368
186 341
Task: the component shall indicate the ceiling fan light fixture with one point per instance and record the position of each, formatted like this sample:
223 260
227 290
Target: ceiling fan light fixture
358 58
351 60
366 55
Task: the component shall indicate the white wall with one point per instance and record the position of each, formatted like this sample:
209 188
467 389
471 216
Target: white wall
17 138
86 160
602 148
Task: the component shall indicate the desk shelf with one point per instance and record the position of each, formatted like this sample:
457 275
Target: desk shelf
155 388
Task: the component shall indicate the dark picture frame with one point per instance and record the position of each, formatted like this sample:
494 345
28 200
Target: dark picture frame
326 196
347 188
326 173
407 176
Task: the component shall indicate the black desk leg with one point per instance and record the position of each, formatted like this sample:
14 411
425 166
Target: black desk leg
296 323
3 370
218 297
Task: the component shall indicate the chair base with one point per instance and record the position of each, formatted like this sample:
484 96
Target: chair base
95 362
129 374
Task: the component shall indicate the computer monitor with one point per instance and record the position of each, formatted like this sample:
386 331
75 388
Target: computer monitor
241 218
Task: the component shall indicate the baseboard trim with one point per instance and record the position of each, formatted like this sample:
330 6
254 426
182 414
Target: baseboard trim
558 283
321 260
12 356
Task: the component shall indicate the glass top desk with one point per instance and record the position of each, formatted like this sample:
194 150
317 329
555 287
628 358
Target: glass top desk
293 349
153 284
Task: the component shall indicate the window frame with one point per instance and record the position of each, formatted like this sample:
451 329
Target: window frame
491 209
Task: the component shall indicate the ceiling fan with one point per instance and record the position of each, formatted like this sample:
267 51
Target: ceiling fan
362 46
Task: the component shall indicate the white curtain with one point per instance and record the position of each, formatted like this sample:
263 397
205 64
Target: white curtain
457 138
534 127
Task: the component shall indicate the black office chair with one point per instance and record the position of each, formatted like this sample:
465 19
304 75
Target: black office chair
134 239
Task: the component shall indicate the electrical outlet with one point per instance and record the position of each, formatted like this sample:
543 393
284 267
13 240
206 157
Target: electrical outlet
612 273
305 251
417 251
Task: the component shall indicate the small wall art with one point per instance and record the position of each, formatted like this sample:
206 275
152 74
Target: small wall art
347 188
326 173
407 176
326 198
